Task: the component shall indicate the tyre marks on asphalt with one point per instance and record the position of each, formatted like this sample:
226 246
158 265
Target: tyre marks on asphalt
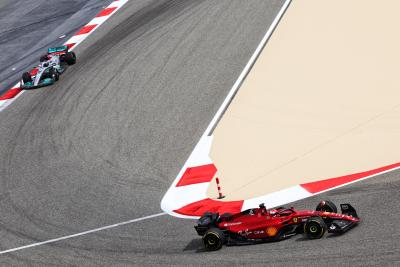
11 95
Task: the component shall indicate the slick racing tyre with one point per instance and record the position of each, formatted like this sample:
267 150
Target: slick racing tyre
53 73
315 228
327 206
213 239
69 58
26 77
43 58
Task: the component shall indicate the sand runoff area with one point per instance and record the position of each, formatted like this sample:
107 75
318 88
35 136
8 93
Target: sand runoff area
321 101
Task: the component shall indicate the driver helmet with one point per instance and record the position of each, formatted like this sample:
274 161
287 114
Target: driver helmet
273 211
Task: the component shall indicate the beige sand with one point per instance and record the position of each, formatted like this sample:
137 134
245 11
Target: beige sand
322 101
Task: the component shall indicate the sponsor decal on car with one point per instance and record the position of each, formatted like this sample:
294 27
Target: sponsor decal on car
246 232
232 224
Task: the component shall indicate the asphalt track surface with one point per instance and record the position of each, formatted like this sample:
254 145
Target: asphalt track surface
29 27
103 145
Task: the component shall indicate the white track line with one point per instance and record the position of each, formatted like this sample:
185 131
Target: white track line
200 154
246 69
82 233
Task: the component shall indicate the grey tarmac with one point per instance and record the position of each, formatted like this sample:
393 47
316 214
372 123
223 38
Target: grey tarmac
103 145
29 27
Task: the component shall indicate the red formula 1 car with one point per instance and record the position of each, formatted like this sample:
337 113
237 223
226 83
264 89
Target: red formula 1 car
262 225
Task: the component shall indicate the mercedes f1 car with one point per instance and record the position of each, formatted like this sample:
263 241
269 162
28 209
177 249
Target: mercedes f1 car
51 66
261 225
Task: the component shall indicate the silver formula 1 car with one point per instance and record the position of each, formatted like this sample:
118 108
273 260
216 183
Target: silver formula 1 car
51 66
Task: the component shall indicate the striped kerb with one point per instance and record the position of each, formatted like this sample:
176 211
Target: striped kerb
198 174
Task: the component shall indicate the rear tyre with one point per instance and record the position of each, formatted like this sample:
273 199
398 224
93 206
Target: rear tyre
213 239
26 77
315 228
69 58
43 58
327 206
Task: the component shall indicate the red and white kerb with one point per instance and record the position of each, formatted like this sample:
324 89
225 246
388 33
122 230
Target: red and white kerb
187 196
9 96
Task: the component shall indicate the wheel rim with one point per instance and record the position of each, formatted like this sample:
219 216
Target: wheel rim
212 241
315 230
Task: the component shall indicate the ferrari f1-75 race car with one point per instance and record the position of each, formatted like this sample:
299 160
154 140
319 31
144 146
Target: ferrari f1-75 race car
261 225
51 66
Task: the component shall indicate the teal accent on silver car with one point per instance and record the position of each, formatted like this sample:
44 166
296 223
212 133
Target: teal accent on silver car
52 65
57 49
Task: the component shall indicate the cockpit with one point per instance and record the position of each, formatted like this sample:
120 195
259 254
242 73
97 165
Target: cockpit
262 210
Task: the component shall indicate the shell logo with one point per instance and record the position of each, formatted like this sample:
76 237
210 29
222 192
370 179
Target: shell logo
271 231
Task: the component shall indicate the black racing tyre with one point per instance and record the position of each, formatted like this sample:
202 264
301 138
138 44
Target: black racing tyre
69 58
327 206
315 227
54 74
43 58
26 77
213 239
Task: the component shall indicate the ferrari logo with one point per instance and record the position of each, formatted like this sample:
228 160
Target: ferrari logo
295 219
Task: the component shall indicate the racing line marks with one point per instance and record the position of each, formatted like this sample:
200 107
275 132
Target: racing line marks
9 96
193 195
187 196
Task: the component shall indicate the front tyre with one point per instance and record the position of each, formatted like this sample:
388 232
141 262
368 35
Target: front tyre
327 206
315 228
53 73
26 77
213 239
